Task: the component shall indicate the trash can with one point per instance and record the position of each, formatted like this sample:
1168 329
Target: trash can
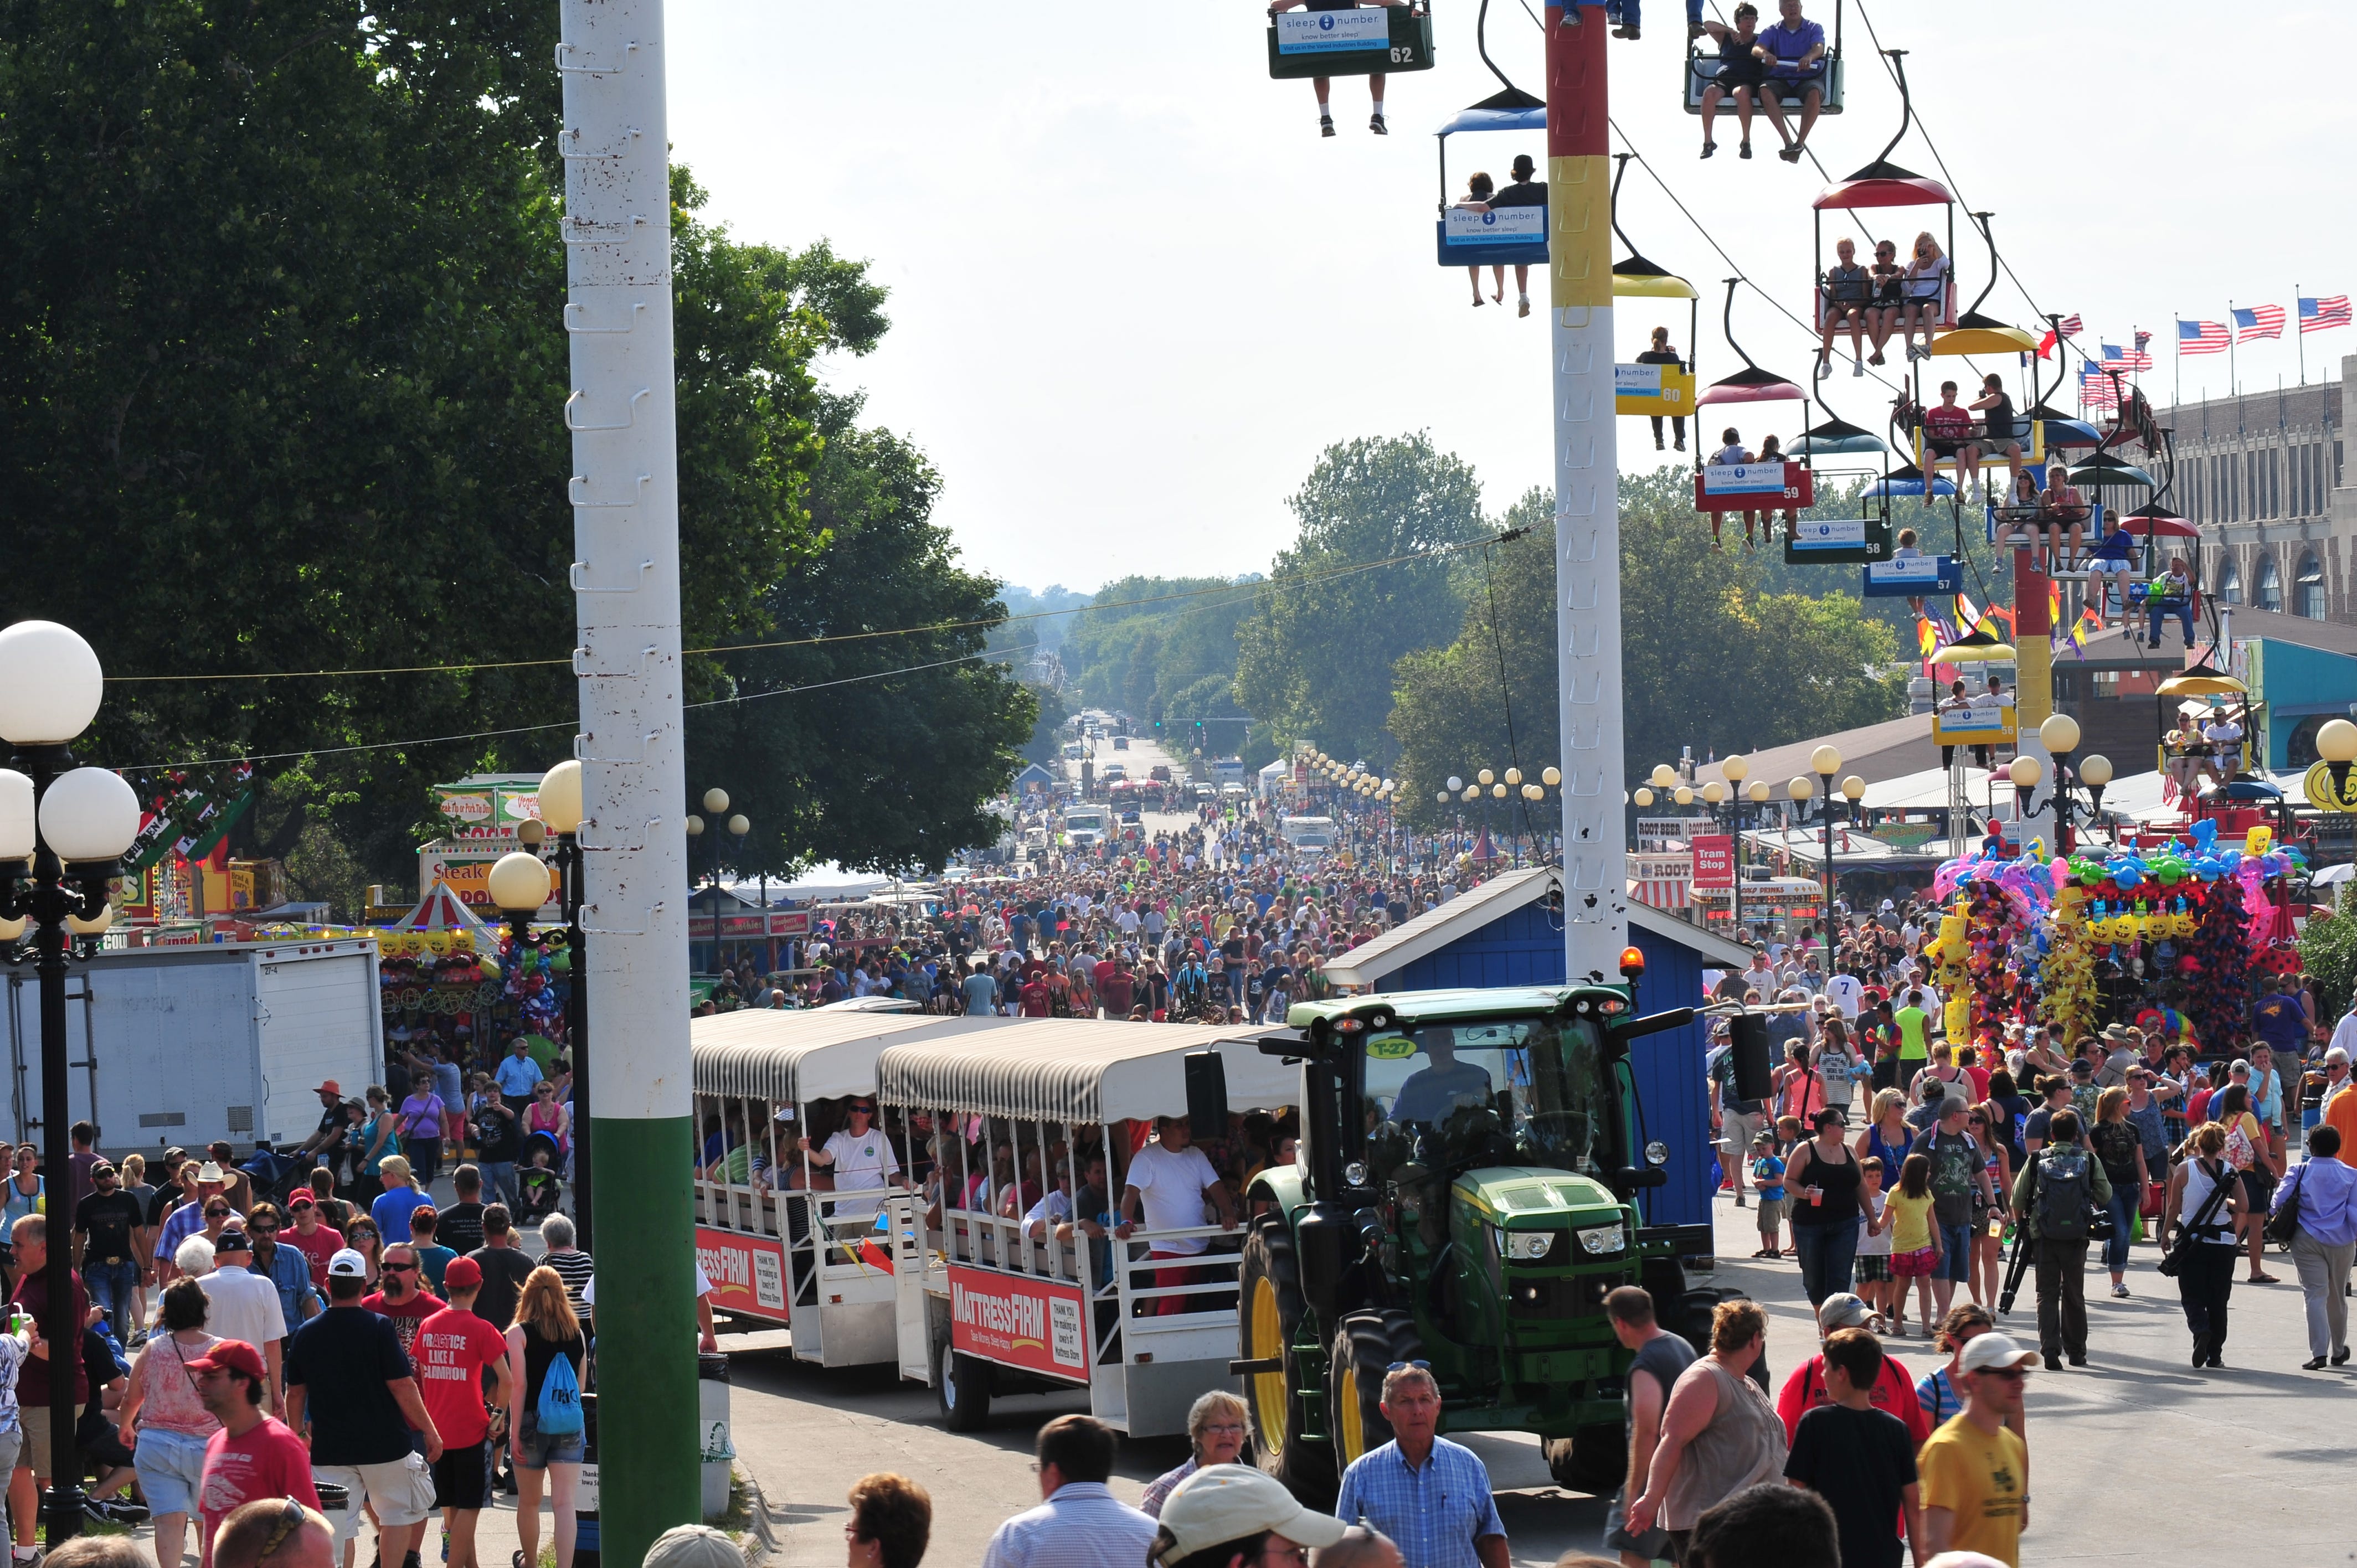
584 1501
712 1411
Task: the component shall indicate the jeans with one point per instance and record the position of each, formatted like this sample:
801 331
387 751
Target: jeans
2062 1298
2204 1285
2126 1201
2323 1271
1677 424
1828 1254
111 1285
2184 614
499 1178
1955 1252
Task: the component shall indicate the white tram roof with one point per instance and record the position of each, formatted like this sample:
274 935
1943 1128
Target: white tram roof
787 1057
1080 1070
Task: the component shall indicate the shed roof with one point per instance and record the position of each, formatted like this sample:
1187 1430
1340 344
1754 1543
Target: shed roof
1080 1070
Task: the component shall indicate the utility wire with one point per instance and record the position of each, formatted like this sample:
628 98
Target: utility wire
1253 587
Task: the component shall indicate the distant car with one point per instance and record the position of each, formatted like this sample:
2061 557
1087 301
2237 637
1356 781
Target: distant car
1129 818
1160 772
1121 743
1114 772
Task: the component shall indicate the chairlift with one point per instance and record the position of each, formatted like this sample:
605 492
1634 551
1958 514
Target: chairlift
1332 39
1502 235
1886 183
1837 439
1652 389
1918 577
1785 485
1701 70
1910 481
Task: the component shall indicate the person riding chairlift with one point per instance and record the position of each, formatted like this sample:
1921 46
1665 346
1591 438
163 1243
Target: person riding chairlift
1524 192
1730 453
1741 74
1925 287
1846 291
2114 556
1886 306
1375 80
2001 434
1661 353
2061 507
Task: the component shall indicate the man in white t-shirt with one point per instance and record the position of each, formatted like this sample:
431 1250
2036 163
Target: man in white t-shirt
860 1155
245 1305
1848 992
1167 1180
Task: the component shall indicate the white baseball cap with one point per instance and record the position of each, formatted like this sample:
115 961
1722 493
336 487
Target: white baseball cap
1996 1352
1229 1502
348 1263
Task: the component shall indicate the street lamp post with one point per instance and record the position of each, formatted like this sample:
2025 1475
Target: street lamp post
64 828
1826 762
2059 735
716 800
1736 769
560 813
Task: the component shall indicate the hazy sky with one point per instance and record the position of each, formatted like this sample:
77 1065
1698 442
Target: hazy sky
1135 294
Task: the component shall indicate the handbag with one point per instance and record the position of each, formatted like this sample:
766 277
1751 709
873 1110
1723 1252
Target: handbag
2284 1223
2172 1262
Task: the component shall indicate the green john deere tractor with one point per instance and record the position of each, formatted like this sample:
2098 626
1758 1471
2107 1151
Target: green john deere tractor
1465 1198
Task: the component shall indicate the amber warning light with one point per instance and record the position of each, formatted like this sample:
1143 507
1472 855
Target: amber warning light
1632 962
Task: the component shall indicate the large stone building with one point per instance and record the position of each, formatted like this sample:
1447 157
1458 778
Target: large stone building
2262 475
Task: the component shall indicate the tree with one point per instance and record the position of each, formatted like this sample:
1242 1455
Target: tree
1315 657
1162 648
875 751
1709 660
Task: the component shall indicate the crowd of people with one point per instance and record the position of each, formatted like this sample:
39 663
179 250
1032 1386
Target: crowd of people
1888 1161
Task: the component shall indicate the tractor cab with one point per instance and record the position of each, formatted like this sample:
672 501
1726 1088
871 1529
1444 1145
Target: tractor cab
1466 1197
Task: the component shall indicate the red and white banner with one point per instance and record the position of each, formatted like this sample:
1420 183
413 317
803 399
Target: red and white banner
1713 860
1037 1325
748 1273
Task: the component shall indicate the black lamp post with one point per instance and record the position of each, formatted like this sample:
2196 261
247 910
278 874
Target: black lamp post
64 828
2060 735
560 814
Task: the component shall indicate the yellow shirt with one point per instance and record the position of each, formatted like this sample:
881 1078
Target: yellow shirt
1977 1476
1911 1221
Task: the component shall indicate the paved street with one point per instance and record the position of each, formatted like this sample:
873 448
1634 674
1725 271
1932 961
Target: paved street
2112 1447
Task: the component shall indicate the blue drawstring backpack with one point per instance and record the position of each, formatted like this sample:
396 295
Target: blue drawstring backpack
559 1412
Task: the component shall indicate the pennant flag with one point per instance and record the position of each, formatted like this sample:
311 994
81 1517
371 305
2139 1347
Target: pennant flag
2317 315
2053 603
2258 321
2069 327
1927 637
2086 625
2201 337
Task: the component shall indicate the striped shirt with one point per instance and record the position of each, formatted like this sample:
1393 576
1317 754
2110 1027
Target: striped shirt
576 1268
1082 1526
1433 1514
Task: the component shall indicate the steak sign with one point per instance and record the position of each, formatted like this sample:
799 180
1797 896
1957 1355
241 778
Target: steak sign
1036 1324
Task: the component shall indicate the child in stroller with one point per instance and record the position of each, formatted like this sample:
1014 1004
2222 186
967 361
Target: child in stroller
538 1181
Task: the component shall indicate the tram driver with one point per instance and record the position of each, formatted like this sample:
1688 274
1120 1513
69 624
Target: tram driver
1444 1084
1375 80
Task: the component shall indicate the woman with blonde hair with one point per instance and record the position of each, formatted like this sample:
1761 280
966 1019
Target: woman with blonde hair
1888 1137
545 1329
1216 1425
1924 294
2118 1143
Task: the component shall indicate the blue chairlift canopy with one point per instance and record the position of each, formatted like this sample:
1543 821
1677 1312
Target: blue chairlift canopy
1908 481
1482 117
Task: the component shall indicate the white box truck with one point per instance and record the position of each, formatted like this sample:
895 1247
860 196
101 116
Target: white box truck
185 1044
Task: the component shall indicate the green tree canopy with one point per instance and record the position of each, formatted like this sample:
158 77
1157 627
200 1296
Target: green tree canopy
1316 654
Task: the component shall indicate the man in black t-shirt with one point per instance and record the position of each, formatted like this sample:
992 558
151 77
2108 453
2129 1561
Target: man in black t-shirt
460 1226
1858 1458
505 1267
105 1247
349 1377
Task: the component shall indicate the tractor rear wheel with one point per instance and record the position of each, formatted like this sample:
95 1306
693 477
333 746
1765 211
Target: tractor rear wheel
1595 1459
1696 1309
1270 1308
1366 1344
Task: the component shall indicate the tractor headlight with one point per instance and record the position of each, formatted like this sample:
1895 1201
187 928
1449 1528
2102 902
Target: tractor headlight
1599 1240
1529 1246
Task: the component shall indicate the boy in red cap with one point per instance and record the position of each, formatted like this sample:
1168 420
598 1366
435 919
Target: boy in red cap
253 1455
453 1349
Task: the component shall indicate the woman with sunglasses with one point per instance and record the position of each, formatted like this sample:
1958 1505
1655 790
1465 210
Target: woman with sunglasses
547 1114
365 1238
22 1197
165 1421
1985 1270
380 1139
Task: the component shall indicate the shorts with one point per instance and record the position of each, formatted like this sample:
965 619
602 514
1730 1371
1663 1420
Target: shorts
35 1454
172 1466
1772 1215
11 1441
533 1452
1730 77
1871 1268
2100 566
1795 86
1955 1252
400 1490
1916 1265
100 1440
2258 1188
462 1477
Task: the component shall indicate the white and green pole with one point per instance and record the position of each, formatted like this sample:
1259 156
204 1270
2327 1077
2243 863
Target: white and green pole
625 493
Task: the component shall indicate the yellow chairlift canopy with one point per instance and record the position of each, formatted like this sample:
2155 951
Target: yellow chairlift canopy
2201 682
1966 650
1651 285
1984 340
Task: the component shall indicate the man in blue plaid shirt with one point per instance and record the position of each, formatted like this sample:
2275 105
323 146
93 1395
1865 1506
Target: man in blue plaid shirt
1429 1495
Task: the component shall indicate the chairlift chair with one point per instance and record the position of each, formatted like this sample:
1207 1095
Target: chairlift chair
1700 70
1652 389
1886 183
1361 40
1503 235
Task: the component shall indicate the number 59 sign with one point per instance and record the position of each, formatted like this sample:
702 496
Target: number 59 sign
1754 487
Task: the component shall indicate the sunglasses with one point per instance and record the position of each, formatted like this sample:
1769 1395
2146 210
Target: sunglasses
2010 1374
399 1268
216 1213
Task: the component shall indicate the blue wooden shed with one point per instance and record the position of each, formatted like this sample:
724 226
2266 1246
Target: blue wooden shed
1507 932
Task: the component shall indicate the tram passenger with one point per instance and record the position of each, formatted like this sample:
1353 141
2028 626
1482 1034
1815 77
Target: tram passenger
1375 80
1479 190
2001 433
1741 72
1524 192
1661 353
2061 507
1886 305
2114 556
1925 283
1845 293
2171 592
1794 50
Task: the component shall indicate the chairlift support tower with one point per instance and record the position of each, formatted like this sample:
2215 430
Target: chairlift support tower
1586 497
624 487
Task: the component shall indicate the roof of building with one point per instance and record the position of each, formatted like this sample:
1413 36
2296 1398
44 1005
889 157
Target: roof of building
2114 650
1369 962
1890 749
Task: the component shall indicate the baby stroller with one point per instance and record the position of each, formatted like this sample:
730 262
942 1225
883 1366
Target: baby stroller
274 1175
538 1181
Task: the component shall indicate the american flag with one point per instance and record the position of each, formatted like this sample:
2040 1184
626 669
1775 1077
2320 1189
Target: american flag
2140 357
2258 321
2069 327
2097 389
2316 315
2201 337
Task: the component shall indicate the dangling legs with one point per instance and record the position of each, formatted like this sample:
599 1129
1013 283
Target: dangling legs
1474 272
1498 278
1324 114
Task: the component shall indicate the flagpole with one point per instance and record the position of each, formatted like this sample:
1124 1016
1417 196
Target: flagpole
2299 338
2176 361
2234 376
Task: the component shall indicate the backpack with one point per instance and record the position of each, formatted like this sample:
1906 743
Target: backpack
2064 1194
558 1414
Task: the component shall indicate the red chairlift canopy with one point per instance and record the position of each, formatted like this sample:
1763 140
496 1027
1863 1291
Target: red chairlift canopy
1752 384
1884 184
2153 523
